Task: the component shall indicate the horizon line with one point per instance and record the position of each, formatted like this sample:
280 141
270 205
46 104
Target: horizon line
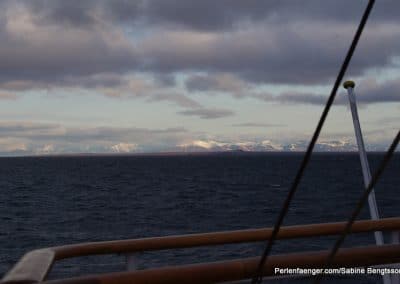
194 153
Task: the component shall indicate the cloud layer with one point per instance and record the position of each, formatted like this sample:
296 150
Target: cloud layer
45 138
27 138
179 54
100 44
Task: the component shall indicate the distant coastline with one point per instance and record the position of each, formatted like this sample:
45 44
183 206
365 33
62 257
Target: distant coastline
182 154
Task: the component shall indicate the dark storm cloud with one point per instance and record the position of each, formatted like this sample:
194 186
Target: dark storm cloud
205 113
228 14
74 13
203 15
72 54
303 53
35 49
54 43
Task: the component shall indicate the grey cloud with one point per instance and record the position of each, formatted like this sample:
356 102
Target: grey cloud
315 99
227 14
100 80
203 15
369 92
217 82
28 129
46 52
282 42
206 113
290 53
111 134
176 98
201 83
69 13
109 80
167 80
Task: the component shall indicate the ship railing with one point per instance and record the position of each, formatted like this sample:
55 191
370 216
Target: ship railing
35 265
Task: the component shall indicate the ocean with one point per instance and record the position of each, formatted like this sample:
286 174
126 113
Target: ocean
48 201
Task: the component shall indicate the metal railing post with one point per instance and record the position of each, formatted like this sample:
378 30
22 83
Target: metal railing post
131 261
373 207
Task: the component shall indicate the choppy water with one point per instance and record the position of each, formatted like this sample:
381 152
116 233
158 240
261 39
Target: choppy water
47 201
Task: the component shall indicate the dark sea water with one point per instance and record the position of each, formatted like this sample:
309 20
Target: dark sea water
48 201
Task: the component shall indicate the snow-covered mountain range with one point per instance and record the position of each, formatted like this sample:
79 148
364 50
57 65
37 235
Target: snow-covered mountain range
265 145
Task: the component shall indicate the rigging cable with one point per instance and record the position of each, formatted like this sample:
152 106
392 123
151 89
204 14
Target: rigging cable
359 206
258 275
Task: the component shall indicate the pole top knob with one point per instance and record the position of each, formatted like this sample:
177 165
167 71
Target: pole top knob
349 84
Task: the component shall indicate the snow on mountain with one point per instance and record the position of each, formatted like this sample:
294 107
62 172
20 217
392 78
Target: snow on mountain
322 146
210 145
265 145
335 145
124 148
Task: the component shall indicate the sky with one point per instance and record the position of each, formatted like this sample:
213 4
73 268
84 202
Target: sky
177 75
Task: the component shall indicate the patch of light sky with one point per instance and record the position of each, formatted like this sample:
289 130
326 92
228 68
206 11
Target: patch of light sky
81 108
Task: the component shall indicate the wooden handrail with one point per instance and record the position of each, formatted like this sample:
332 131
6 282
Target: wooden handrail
218 238
243 268
34 266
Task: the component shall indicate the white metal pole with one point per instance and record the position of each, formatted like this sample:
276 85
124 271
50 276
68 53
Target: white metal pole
373 208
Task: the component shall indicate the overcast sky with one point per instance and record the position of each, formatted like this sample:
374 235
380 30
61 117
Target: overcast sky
162 75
